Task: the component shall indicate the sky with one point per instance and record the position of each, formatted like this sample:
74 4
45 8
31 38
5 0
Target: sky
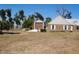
47 10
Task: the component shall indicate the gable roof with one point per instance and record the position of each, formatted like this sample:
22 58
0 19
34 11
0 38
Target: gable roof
77 23
73 21
61 20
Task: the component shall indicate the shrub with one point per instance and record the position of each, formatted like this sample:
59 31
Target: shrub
4 25
1 32
43 30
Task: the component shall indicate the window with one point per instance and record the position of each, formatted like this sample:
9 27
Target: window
65 27
53 27
77 27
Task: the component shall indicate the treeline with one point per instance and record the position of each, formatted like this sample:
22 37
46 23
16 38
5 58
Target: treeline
20 20
6 21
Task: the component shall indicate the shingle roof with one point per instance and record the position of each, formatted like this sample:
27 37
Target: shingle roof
73 21
59 20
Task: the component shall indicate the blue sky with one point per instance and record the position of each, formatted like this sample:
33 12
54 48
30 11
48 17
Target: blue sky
47 10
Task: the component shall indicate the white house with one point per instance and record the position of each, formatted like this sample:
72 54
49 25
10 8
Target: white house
62 24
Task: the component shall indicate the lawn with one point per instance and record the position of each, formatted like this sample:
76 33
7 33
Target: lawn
48 42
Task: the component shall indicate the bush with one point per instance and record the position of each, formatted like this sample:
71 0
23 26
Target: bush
4 25
27 23
43 30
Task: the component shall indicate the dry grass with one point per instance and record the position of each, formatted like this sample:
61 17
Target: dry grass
49 42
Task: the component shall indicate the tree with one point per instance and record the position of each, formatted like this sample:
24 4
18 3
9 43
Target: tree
21 14
48 19
2 14
19 18
11 21
0 26
8 11
64 13
39 16
24 25
16 19
29 22
4 25
68 15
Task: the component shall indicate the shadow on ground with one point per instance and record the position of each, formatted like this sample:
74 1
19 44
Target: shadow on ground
10 33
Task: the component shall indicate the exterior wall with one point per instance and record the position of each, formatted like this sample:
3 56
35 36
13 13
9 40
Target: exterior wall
48 27
60 28
75 28
39 25
70 28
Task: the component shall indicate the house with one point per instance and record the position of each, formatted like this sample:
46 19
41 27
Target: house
62 24
38 24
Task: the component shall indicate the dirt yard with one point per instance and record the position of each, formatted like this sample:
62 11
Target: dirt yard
49 42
